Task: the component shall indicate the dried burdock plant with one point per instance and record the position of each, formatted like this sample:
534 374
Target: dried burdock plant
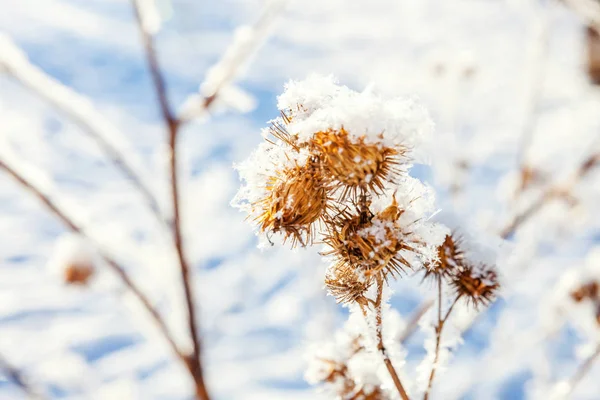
451 258
74 260
333 170
589 292
476 283
372 244
354 165
347 285
347 388
586 291
78 274
295 199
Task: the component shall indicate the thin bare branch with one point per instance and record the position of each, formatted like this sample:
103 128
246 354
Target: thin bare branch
538 62
380 345
551 193
81 111
413 323
114 266
238 53
17 377
583 370
438 335
172 124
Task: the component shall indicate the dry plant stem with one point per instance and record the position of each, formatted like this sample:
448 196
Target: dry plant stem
119 271
438 335
553 192
14 375
413 324
380 346
583 370
118 159
193 361
537 64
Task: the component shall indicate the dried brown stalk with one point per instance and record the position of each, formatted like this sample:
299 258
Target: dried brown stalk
535 95
583 370
380 345
193 361
117 269
438 334
413 323
16 376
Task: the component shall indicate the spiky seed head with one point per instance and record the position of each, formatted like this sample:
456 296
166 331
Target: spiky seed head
296 198
346 285
78 273
477 284
354 165
450 258
346 387
370 246
587 291
278 130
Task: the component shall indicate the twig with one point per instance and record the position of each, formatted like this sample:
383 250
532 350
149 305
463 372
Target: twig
194 361
380 345
14 375
438 332
80 110
238 52
583 370
119 271
413 323
551 193
528 128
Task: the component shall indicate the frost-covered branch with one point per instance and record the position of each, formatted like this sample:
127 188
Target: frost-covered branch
172 124
119 271
246 41
438 332
79 109
583 370
413 322
380 346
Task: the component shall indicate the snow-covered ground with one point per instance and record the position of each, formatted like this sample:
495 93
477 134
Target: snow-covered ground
504 82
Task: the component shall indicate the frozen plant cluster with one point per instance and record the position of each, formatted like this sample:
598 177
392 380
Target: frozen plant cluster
334 170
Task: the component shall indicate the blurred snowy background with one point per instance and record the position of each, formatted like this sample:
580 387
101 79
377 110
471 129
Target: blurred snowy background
506 83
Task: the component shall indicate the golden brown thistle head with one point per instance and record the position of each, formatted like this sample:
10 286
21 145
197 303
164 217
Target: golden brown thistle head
346 286
355 166
346 387
478 285
370 244
296 198
451 258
